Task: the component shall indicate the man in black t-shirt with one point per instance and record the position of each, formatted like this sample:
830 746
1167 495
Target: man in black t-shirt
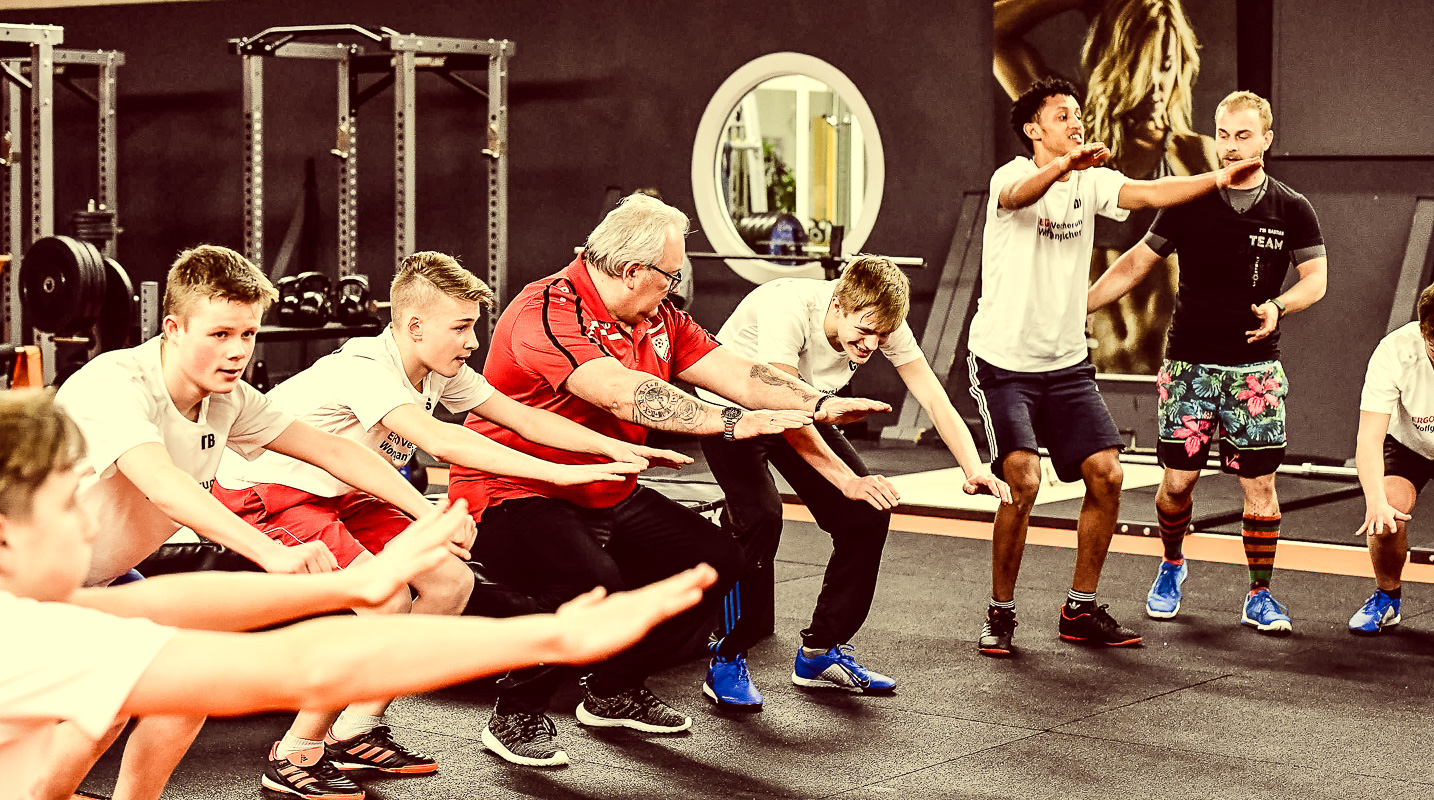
1222 370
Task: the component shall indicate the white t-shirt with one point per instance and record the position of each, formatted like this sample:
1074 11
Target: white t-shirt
782 322
348 393
63 663
119 401
1400 382
1035 269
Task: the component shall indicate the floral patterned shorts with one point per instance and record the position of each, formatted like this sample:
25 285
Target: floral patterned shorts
1245 404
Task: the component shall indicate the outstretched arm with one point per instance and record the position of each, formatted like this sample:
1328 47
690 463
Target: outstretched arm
1025 191
332 662
180 497
756 385
646 400
457 444
1174 190
554 430
1369 463
1128 270
929 392
236 601
352 463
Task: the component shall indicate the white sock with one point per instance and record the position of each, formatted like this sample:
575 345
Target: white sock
351 724
812 652
291 744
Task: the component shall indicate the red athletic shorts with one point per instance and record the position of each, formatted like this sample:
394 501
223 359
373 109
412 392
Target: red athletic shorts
349 525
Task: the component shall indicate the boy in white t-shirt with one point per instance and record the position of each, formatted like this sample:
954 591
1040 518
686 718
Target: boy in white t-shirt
1030 370
381 391
51 675
820 332
1394 456
155 419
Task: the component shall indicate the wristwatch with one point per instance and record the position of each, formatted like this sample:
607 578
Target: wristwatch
1279 307
730 416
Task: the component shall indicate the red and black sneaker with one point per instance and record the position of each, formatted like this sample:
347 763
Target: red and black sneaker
1090 623
308 774
377 750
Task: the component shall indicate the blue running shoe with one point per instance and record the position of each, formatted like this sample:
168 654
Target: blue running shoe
836 667
729 683
1380 611
1163 600
1265 613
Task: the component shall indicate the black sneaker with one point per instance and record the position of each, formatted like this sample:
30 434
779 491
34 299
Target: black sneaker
1093 624
524 738
308 774
377 750
996 632
635 708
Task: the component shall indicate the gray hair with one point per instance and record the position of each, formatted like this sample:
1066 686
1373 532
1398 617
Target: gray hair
634 231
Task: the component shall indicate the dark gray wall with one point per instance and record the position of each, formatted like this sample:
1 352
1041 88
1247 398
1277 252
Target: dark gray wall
601 94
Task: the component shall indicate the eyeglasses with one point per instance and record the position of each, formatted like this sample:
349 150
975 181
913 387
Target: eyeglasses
674 278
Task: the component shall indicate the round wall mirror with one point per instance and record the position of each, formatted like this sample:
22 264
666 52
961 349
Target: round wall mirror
786 150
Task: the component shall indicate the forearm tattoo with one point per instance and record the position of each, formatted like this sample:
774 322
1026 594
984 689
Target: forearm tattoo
771 377
661 405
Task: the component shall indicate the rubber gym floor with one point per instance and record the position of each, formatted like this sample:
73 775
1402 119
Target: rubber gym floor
1204 709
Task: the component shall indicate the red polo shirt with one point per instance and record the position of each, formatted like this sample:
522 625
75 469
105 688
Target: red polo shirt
553 326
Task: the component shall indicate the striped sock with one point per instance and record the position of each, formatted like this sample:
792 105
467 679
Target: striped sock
1172 531
1261 535
1077 601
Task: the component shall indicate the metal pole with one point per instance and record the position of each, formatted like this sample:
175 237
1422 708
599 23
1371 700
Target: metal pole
497 151
12 215
404 131
109 144
42 140
254 158
348 168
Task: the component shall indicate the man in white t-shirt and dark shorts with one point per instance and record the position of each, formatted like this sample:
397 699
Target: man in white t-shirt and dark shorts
1394 456
381 391
1030 369
820 332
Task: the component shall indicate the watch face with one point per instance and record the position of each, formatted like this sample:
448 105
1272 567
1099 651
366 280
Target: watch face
730 414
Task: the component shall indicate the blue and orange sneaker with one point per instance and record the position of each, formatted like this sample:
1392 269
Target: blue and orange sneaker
1265 613
1380 611
836 667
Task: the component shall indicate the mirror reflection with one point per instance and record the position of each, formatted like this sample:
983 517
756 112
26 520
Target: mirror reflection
792 164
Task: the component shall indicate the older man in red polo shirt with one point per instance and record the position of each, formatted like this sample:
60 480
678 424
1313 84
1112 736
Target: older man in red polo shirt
598 343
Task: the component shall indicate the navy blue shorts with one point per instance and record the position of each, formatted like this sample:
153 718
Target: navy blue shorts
1061 409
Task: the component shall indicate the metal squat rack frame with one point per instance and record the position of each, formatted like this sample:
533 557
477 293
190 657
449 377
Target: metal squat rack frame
398 58
31 63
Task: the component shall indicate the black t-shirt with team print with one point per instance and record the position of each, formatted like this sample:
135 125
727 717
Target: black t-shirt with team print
1230 261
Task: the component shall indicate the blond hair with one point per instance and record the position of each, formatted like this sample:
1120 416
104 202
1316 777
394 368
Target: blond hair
214 272
36 439
1242 101
876 283
1125 47
427 275
635 231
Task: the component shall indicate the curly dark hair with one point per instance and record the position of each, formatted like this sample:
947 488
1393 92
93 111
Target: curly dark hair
1028 105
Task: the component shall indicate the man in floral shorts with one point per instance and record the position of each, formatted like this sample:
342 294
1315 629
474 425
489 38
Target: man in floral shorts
1222 376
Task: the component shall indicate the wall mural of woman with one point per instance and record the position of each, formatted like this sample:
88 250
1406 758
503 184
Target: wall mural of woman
1139 64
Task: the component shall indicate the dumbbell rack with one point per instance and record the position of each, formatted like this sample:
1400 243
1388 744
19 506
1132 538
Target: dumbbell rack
397 58
31 63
